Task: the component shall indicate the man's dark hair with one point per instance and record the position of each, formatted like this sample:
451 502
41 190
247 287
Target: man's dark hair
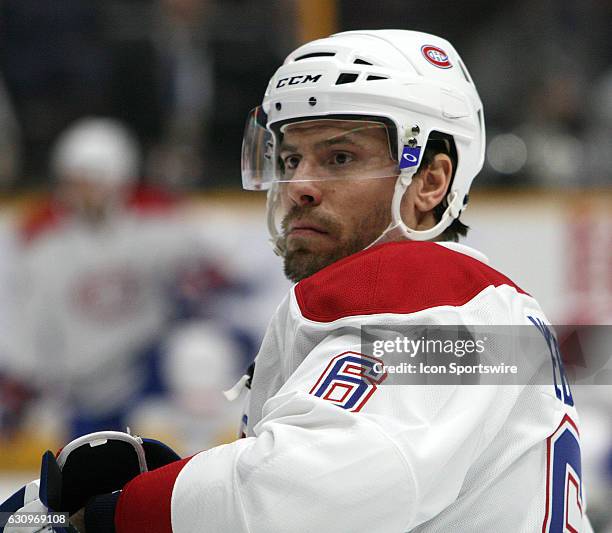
440 143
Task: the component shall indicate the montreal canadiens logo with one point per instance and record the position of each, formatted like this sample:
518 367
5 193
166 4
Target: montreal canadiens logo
436 56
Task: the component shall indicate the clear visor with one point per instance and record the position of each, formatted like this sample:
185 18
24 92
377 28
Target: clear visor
315 149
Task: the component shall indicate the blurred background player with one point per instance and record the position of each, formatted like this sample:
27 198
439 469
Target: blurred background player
103 269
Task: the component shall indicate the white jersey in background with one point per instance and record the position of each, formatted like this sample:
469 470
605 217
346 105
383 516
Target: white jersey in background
93 298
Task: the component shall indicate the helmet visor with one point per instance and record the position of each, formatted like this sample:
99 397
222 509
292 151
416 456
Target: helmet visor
316 148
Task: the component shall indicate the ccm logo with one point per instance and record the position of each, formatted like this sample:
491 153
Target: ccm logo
296 80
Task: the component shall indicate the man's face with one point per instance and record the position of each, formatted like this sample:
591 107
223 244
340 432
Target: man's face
345 205
89 200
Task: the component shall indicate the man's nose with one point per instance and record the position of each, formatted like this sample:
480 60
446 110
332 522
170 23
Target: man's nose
304 187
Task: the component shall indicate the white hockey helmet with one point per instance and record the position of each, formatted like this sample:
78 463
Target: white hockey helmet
101 150
414 83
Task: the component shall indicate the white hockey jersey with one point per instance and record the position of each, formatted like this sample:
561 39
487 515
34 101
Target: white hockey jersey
91 299
322 453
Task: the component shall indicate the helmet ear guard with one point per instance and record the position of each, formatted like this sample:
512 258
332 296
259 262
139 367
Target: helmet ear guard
415 83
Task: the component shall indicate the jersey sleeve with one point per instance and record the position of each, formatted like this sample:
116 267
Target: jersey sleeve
315 466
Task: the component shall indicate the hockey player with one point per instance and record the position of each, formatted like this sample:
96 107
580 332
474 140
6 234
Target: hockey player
367 143
107 259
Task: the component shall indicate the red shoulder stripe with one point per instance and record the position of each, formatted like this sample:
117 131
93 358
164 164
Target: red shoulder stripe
39 221
400 277
148 200
145 503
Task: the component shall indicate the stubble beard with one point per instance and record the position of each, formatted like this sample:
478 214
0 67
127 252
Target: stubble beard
300 261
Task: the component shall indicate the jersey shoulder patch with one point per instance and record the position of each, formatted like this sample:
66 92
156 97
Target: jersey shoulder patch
399 277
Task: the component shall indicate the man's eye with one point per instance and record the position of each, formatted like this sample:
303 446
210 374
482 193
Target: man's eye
341 158
291 162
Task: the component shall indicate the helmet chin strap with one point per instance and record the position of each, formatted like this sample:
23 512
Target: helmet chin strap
398 230
395 231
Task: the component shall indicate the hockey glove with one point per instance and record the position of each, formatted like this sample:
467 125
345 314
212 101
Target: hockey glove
95 464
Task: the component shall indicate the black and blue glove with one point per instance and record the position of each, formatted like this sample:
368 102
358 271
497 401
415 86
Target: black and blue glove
92 468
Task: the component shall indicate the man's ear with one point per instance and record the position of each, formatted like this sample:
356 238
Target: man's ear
433 183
